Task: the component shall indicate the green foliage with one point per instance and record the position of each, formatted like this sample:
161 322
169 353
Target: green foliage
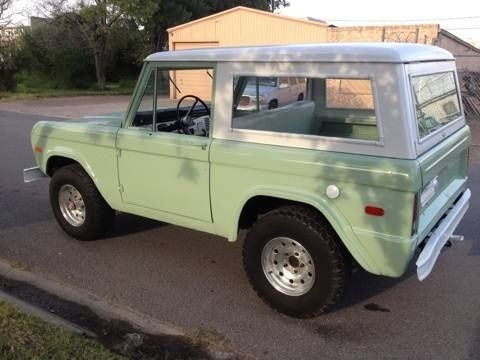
101 40
8 50
54 54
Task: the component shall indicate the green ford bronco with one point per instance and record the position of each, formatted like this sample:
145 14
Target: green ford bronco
369 165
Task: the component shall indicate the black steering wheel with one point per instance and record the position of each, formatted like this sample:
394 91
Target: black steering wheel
187 119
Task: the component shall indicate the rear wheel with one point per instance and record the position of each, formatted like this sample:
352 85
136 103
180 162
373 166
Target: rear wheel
294 261
77 205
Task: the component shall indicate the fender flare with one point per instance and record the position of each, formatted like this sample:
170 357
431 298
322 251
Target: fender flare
75 156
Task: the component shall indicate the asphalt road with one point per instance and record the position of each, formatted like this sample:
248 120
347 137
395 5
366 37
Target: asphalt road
195 280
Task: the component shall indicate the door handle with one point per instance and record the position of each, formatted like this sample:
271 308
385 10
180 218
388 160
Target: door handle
202 146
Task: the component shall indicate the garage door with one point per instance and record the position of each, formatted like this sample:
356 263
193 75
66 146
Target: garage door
193 82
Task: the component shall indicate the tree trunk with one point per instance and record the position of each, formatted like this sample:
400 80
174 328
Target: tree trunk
99 55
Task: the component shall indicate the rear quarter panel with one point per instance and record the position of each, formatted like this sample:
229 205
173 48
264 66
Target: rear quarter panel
241 170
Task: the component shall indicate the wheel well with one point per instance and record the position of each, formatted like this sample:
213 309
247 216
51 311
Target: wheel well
56 162
260 205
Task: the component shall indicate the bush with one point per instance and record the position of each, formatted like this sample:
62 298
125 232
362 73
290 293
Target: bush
53 55
7 65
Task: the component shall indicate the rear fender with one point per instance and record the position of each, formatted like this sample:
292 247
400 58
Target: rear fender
326 208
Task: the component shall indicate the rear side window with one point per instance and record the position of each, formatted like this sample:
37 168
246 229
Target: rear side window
349 94
436 101
331 107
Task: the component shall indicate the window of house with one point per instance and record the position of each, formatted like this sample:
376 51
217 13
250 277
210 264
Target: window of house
436 101
331 107
177 101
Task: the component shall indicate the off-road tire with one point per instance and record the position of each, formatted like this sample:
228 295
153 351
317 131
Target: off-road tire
99 216
332 263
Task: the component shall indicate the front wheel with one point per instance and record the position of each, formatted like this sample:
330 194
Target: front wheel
294 261
78 207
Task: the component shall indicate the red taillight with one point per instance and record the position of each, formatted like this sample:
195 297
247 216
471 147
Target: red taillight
374 210
415 214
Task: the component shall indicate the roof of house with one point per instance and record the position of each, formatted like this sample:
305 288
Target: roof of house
461 41
326 52
316 22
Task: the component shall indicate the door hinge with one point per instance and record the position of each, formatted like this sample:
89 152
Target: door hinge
120 188
119 152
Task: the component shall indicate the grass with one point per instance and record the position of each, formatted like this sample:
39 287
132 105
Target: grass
32 87
26 337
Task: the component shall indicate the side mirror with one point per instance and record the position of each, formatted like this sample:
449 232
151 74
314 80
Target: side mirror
283 86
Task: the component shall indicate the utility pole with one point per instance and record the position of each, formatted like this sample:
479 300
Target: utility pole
273 6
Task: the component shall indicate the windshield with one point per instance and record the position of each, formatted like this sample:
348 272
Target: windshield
436 101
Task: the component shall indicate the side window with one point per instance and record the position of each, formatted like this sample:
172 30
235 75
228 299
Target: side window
144 115
349 94
283 83
342 108
177 101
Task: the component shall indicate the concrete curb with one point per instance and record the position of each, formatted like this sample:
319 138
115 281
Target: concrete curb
101 307
45 315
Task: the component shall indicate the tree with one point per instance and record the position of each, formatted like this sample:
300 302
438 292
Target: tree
4 6
95 20
7 50
54 54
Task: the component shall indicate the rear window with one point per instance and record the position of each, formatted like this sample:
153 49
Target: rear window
436 101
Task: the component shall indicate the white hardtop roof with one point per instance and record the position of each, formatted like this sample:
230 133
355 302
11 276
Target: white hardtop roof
326 52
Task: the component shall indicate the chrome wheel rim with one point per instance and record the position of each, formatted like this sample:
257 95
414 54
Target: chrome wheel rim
288 266
71 205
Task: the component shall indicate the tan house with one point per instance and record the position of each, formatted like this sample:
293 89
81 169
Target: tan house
242 26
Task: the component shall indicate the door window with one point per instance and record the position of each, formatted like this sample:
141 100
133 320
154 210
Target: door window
177 101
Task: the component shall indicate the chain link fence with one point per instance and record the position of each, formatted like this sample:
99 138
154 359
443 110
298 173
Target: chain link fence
470 88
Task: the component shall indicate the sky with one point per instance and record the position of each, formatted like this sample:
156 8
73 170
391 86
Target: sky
461 17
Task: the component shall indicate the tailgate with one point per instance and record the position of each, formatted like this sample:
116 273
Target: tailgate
444 173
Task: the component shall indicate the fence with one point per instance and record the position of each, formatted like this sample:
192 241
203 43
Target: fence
470 88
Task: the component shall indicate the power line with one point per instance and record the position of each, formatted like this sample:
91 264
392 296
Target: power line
465 28
405 20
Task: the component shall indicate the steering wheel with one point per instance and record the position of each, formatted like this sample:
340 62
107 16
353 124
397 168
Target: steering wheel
187 120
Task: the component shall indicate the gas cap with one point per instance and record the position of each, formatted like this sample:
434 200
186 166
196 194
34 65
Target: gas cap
333 191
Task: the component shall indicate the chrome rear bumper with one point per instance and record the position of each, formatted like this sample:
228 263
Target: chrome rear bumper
32 174
439 237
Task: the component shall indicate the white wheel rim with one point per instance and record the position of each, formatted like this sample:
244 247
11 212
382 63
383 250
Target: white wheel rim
288 266
71 205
